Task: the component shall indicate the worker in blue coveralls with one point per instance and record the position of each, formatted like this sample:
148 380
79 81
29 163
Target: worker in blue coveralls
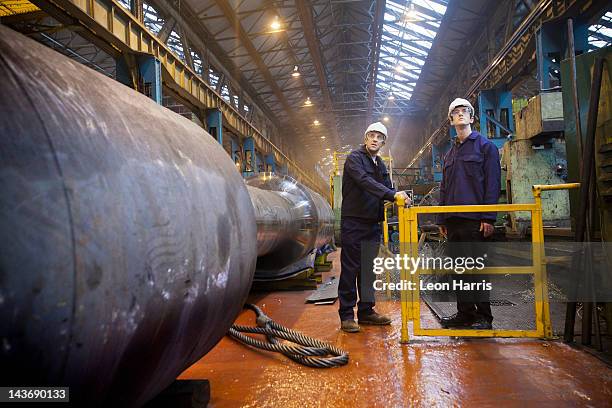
365 186
471 176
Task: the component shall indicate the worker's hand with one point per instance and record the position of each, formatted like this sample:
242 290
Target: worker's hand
486 229
443 231
403 195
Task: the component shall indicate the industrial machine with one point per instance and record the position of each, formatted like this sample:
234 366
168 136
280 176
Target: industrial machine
128 239
536 155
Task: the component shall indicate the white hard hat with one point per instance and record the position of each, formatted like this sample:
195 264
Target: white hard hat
459 102
377 127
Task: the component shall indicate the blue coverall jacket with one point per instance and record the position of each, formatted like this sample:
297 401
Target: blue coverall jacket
364 187
471 175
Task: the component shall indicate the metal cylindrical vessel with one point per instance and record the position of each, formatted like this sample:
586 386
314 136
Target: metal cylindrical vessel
325 216
292 220
127 238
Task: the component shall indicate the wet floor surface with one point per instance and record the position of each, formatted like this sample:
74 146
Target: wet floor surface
384 373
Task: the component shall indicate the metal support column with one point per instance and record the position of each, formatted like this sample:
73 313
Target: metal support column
147 70
438 151
270 163
495 113
236 155
552 48
250 157
214 124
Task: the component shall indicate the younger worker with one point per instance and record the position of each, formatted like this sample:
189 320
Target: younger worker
471 176
365 185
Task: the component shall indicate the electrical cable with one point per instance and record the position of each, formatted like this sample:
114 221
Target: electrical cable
309 352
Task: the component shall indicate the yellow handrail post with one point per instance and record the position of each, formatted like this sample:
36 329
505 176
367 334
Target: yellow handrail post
413 235
386 243
406 295
331 190
537 238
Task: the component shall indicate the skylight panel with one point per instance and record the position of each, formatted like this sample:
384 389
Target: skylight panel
436 7
407 36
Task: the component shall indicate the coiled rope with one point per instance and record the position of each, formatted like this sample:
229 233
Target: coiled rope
309 352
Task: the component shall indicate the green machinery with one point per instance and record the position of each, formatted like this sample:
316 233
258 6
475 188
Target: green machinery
537 155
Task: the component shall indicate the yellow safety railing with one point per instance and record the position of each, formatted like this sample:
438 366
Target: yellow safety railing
409 239
386 243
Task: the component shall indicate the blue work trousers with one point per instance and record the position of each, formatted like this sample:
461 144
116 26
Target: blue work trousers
360 241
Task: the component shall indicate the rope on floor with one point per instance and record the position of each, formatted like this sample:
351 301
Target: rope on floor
309 352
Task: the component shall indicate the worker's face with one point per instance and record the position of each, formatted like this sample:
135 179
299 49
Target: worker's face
374 141
461 115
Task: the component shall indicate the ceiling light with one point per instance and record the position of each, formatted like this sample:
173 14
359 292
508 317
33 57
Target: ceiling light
386 118
411 14
322 137
391 96
328 149
275 24
308 103
399 68
316 122
295 73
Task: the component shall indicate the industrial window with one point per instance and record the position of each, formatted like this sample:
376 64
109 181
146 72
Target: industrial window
152 20
175 44
197 63
213 78
125 4
225 92
600 34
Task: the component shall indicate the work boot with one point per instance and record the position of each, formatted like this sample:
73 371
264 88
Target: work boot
481 324
457 320
349 326
375 319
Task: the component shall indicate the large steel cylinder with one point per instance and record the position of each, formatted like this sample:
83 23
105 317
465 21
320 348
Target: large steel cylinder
127 238
292 220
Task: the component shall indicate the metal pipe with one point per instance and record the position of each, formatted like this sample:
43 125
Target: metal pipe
292 220
128 240
588 204
583 229
572 56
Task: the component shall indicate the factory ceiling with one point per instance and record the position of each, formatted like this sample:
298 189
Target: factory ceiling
324 68
320 70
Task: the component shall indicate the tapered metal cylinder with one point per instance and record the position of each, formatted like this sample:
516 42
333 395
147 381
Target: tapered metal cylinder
127 238
292 220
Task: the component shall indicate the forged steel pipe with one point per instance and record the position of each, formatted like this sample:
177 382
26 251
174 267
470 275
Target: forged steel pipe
292 220
127 238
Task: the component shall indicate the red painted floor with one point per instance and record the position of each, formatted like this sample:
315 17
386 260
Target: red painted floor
384 373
